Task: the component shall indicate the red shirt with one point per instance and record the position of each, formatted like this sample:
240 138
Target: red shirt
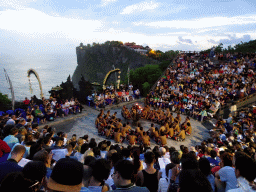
4 148
215 169
26 102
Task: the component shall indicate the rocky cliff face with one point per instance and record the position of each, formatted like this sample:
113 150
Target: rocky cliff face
95 62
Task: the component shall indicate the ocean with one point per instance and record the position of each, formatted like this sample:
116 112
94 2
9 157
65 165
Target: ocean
53 69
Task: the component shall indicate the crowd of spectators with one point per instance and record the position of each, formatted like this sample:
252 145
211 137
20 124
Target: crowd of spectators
113 96
39 110
46 160
199 86
43 160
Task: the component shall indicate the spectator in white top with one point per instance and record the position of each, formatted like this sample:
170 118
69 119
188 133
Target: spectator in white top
163 161
53 103
131 87
239 70
245 172
12 120
137 93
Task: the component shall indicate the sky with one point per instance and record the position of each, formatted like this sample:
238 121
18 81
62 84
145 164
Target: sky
58 26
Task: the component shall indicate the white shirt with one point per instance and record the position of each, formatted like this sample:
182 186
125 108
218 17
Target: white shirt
243 186
10 122
162 163
53 103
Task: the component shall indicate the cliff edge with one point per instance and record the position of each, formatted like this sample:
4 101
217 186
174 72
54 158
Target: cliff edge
95 61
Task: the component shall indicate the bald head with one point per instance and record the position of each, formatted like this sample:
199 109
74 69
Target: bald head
162 151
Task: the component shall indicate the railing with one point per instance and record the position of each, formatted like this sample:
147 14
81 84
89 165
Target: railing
240 103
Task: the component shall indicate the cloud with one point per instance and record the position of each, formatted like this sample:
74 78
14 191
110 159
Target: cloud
234 40
16 4
139 7
36 24
202 23
189 41
212 41
106 2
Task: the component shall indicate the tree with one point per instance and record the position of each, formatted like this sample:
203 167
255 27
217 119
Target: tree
149 74
4 102
219 48
145 88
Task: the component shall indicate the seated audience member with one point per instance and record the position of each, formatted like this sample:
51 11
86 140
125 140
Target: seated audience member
245 173
193 179
22 132
100 173
15 181
12 120
212 159
225 178
66 176
204 166
149 177
4 151
11 165
11 139
58 143
123 176
36 172
46 158
39 114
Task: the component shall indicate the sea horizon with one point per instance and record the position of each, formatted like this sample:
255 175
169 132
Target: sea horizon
52 68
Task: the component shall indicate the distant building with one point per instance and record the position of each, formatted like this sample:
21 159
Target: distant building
138 48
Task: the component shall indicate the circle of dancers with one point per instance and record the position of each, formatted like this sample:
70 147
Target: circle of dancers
167 126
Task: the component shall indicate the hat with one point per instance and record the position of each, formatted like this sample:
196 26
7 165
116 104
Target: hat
66 175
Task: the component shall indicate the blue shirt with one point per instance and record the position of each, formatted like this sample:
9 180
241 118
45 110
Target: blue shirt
132 188
11 140
85 189
7 167
213 161
48 172
211 179
227 174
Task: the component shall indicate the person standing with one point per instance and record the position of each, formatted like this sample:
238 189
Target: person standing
123 176
149 177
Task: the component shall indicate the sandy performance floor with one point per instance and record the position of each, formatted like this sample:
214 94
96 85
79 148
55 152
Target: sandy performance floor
86 126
